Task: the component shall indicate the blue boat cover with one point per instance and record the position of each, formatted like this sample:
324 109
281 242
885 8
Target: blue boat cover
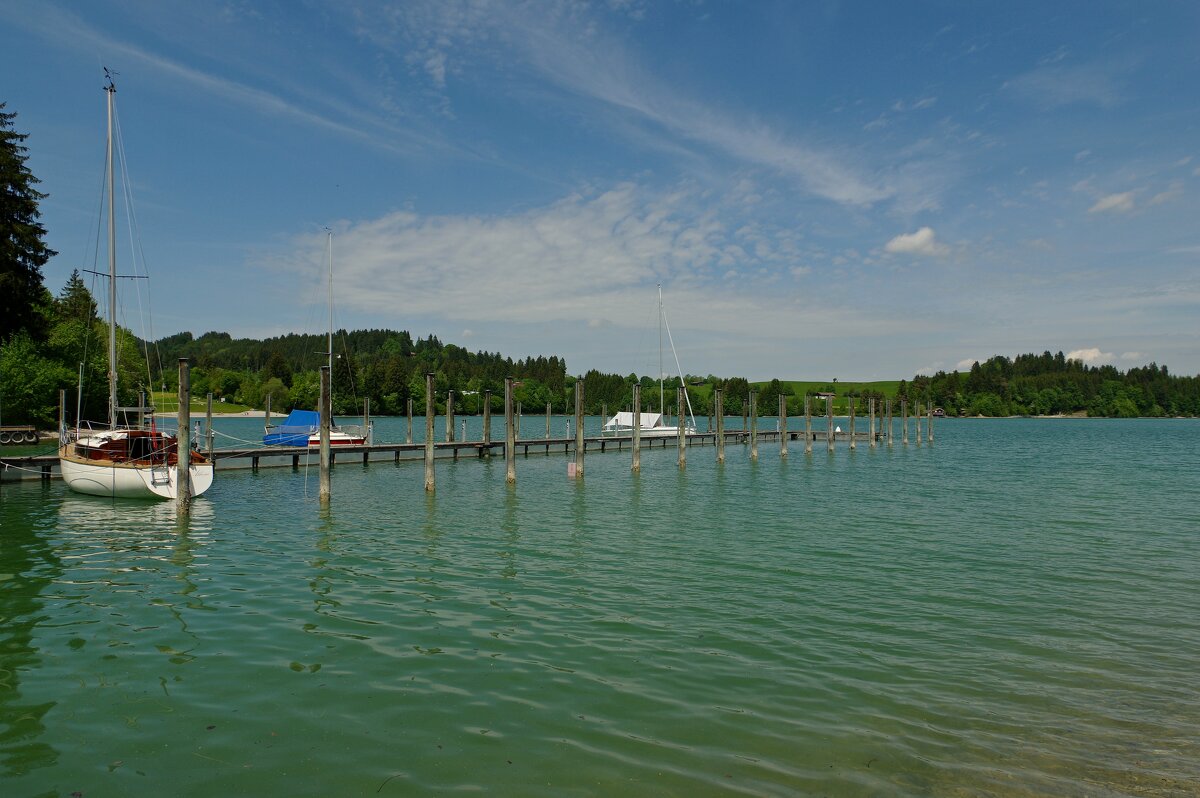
295 429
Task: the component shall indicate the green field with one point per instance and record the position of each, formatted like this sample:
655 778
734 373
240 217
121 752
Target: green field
168 402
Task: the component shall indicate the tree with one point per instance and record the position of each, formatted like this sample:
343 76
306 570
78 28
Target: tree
22 251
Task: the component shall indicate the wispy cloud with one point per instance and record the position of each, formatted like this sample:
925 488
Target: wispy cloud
922 242
1114 203
1055 85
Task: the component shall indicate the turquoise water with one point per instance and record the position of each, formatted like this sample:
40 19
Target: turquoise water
1012 611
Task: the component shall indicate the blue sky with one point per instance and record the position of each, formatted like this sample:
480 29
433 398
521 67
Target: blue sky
850 190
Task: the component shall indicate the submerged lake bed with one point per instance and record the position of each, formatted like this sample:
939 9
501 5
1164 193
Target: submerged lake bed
1013 610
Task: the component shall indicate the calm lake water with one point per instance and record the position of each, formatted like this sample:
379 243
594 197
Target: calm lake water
1012 611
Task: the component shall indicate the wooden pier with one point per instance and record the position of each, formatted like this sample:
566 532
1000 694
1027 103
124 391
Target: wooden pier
45 467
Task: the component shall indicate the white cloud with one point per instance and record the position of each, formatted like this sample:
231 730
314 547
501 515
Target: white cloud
1114 203
922 242
965 365
801 271
1090 356
1131 355
1173 192
1054 86
467 333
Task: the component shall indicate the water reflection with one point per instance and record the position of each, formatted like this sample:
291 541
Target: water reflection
28 565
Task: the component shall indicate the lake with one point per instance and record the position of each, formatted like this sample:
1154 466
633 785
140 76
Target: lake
1012 611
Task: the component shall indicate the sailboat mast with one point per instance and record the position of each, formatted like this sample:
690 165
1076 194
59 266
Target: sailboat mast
329 234
110 90
661 404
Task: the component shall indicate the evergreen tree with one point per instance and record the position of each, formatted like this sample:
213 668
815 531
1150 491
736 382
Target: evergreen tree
23 297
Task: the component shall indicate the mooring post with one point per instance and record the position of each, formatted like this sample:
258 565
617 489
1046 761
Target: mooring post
183 443
871 426
367 421
888 407
918 414
267 417
603 417
579 444
929 425
904 421
449 416
209 429
510 434
753 425
487 422
637 427
325 408
408 413
429 411
808 436
852 443
547 420
681 428
783 430
829 416
719 412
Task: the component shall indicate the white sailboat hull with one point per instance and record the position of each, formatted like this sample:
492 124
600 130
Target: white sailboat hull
129 481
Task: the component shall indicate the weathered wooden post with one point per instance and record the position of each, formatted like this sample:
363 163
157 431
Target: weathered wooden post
852 442
449 416
510 434
366 421
603 417
637 427
267 417
487 422
918 415
547 421
183 442
209 429
429 411
929 426
408 413
871 426
719 412
904 421
579 444
808 436
888 404
829 416
783 430
754 425
681 428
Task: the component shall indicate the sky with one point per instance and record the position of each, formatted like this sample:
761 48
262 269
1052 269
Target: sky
823 190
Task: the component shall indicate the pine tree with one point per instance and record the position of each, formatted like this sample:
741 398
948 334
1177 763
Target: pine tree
23 297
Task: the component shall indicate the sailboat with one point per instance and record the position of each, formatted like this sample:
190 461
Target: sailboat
653 425
302 427
116 460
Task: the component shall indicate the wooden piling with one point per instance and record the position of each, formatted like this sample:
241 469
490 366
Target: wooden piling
579 444
449 416
888 405
366 422
754 425
267 417
603 417
681 428
183 442
719 412
408 435
808 436
853 444
325 408
208 427
904 421
783 430
429 411
871 425
829 416
547 421
510 434
637 428
487 422
918 414
929 425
